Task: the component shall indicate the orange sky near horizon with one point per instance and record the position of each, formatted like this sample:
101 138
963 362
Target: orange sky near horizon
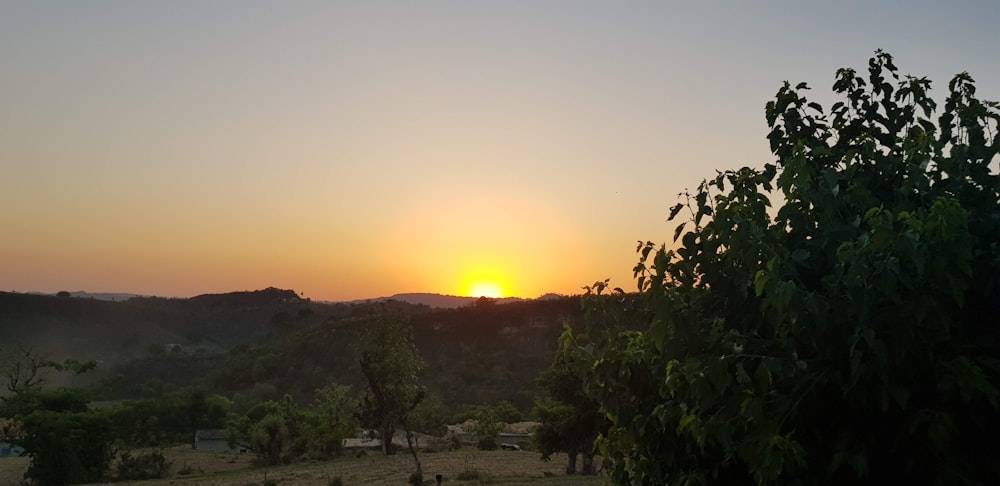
351 150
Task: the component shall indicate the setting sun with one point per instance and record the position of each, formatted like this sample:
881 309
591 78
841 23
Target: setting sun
485 277
485 289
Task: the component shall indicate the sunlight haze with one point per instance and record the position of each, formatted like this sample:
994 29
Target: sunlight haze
349 150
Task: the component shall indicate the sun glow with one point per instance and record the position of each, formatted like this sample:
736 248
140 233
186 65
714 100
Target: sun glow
485 289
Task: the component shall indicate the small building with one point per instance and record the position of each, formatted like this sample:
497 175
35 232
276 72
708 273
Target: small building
213 440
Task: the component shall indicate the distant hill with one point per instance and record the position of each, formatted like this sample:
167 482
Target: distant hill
82 294
113 296
266 296
262 344
441 301
88 327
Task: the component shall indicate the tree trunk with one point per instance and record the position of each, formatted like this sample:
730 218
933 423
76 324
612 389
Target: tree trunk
413 450
571 464
387 433
588 463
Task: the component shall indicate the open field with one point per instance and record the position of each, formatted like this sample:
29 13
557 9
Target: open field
218 469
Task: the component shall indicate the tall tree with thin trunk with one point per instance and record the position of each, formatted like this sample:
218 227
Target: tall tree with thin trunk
391 366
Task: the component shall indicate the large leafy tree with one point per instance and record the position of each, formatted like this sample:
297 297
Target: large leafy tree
570 418
67 442
847 335
571 415
391 366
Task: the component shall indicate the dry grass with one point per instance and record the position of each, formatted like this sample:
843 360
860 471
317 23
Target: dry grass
12 469
217 469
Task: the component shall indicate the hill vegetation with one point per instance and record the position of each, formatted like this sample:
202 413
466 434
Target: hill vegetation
268 343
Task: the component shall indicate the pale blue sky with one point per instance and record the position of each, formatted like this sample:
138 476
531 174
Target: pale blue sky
349 150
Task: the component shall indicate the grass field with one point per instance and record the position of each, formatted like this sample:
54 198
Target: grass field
479 467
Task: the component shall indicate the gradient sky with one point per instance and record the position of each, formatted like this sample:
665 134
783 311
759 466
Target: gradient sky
359 149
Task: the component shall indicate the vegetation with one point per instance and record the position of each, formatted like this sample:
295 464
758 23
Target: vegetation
283 432
391 366
147 465
67 446
169 419
571 419
272 393
846 336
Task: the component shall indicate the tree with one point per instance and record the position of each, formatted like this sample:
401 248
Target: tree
269 429
284 431
570 418
331 419
846 337
171 418
391 366
67 442
431 416
24 371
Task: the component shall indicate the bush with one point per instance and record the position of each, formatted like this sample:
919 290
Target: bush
66 447
149 465
416 479
487 444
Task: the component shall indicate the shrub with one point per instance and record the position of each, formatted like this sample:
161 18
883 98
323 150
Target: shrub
149 465
487 444
416 479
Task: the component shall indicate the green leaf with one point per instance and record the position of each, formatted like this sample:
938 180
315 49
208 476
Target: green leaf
760 280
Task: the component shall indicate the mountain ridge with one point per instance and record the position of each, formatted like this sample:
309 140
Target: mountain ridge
430 299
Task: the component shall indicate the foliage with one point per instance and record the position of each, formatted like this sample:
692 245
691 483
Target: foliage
391 365
226 344
171 418
269 429
487 419
846 337
67 447
281 432
570 417
488 443
416 479
503 412
431 416
331 420
146 465
24 372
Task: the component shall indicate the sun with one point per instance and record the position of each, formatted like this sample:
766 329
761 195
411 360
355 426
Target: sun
485 289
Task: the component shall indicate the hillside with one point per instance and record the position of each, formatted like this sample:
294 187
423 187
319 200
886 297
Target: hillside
438 300
263 344
88 328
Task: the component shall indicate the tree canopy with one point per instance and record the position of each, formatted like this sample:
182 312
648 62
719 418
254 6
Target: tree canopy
845 335
391 366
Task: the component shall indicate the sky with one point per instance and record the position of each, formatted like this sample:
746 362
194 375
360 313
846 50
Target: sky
350 150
